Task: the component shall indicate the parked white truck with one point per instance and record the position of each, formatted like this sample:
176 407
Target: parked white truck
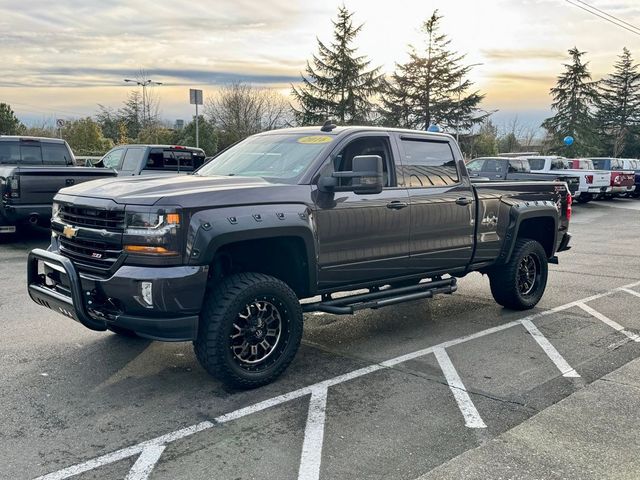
592 182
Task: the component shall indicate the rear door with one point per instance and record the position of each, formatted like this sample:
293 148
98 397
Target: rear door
442 204
362 237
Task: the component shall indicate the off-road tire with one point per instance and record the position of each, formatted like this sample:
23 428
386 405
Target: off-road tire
506 288
221 309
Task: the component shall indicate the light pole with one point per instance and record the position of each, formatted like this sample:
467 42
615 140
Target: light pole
459 100
144 84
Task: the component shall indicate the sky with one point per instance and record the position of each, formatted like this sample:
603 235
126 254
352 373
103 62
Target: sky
61 59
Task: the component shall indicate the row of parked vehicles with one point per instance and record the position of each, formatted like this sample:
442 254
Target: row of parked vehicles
587 178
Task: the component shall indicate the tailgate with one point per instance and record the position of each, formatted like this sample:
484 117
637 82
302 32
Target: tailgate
38 185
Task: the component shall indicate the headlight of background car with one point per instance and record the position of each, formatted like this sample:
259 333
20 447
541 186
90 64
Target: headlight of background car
55 211
153 232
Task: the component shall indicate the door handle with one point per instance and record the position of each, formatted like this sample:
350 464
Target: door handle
397 205
463 201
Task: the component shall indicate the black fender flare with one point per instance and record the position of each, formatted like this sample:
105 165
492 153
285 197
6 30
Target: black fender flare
518 213
211 229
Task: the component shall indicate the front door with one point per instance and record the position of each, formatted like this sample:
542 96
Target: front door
442 205
362 237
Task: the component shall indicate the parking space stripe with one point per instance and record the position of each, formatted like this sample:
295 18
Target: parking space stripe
612 323
550 350
313 436
145 463
471 416
629 291
187 431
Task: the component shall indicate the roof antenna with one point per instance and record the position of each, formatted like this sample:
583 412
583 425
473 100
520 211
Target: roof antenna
328 126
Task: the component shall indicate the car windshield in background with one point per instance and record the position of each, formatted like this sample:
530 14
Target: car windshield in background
278 157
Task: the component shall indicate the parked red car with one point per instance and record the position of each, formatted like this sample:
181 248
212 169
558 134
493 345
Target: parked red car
622 181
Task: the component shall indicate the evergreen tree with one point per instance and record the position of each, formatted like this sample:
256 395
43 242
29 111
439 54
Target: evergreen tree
338 83
618 107
430 88
9 123
573 99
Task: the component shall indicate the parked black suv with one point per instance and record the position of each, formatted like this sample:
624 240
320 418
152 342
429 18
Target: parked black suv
222 257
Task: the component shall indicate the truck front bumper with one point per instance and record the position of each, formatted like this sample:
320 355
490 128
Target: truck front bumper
169 313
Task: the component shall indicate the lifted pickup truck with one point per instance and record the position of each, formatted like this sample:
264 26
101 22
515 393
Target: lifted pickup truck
223 257
32 170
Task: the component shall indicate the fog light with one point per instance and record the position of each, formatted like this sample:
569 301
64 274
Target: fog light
146 290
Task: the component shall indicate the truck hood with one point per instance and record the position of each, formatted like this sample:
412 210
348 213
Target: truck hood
172 190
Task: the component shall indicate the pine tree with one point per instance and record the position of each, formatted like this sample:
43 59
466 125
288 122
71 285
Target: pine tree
618 107
573 99
9 123
430 88
338 83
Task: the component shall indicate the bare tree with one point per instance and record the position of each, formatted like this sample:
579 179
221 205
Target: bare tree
239 110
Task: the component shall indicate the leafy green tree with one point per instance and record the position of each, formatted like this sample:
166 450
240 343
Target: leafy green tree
9 123
431 87
618 107
508 143
207 135
85 137
573 99
338 83
156 134
486 141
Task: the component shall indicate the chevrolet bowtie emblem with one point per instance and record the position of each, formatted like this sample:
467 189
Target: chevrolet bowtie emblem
69 231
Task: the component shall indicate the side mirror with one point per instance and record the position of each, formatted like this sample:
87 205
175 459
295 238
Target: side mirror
366 177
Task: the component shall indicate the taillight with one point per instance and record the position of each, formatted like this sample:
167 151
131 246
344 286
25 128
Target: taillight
617 179
589 178
569 204
14 187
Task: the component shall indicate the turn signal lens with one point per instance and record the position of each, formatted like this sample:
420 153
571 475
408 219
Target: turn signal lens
145 249
173 218
569 205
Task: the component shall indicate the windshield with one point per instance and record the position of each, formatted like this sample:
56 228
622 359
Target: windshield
279 157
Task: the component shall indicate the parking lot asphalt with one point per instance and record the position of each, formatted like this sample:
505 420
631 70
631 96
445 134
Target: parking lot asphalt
395 393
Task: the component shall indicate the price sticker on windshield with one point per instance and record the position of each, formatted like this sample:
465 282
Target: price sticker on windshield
315 139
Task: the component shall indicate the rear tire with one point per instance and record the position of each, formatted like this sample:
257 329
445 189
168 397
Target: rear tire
520 284
250 330
584 198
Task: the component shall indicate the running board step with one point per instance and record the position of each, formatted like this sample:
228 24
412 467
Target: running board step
382 298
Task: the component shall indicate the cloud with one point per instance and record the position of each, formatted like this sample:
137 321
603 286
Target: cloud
519 54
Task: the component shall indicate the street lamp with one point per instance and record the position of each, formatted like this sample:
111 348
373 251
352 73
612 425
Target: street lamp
144 84
459 94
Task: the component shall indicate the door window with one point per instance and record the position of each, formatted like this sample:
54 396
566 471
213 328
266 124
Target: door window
174 160
536 163
493 166
475 165
113 159
428 164
132 159
343 161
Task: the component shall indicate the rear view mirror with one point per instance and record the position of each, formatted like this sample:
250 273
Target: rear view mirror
366 177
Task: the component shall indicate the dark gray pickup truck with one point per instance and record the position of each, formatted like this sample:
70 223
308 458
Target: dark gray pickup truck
223 257
32 170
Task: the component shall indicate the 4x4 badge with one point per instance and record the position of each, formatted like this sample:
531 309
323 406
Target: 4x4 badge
69 231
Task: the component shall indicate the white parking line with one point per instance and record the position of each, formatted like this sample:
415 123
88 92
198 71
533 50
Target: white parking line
469 411
631 292
145 463
313 436
613 324
550 350
128 452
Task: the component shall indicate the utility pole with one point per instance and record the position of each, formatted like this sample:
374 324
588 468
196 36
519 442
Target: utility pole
144 84
195 98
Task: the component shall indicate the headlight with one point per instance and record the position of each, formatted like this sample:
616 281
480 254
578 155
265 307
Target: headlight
153 232
55 211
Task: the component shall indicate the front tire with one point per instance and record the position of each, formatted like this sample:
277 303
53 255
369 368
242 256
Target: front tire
250 330
520 284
